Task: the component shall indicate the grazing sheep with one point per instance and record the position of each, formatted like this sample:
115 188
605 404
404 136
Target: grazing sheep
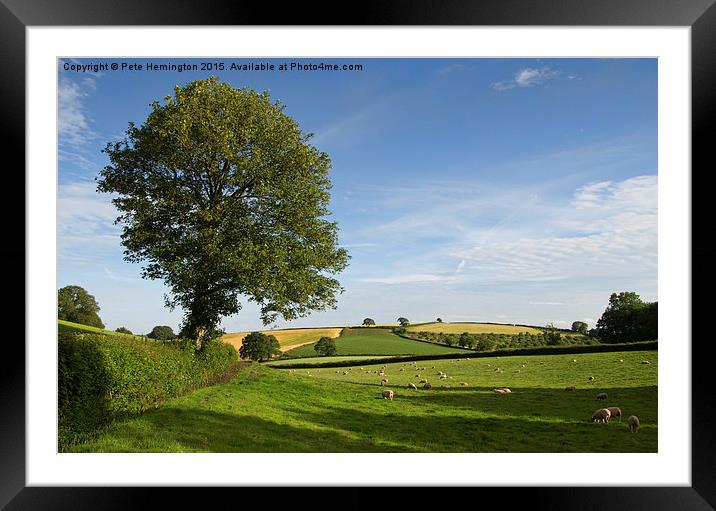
601 415
412 386
621 360
503 390
423 381
633 423
574 360
464 383
602 396
417 375
427 386
615 411
443 376
571 388
645 362
445 386
388 394
497 369
383 381
499 391
402 369
590 378
345 373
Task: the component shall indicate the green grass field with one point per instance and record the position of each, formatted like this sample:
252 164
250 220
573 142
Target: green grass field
68 326
322 410
472 328
376 341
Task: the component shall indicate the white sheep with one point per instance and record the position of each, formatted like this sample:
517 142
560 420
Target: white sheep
388 394
633 423
412 386
443 376
601 415
383 381
615 411
645 362
590 378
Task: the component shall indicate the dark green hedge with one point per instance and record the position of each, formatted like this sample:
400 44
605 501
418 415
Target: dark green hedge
102 378
540 350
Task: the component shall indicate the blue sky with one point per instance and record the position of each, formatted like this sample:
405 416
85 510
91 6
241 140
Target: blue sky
504 190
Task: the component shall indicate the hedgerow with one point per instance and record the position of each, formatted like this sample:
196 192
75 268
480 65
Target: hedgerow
102 378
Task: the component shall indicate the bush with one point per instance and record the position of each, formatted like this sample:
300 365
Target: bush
123 330
101 378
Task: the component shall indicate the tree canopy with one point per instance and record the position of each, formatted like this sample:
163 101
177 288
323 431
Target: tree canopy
75 304
123 330
628 318
221 196
403 321
368 322
325 347
162 333
580 327
259 347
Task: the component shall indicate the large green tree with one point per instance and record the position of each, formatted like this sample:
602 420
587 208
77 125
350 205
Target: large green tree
221 195
75 304
259 347
162 333
628 318
326 347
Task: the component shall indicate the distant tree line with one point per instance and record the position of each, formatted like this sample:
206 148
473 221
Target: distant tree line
628 318
492 341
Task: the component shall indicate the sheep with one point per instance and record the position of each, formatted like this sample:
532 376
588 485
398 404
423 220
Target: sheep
590 378
633 423
602 396
388 394
499 391
571 388
383 381
503 390
621 360
443 376
497 369
464 383
601 415
427 386
417 375
645 362
423 381
615 411
574 360
412 386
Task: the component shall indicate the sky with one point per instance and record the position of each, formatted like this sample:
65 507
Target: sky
505 190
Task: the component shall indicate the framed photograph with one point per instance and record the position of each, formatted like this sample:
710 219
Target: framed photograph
439 236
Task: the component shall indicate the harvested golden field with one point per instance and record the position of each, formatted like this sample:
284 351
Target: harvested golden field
289 338
472 328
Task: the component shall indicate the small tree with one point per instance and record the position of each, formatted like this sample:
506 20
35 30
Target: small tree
403 321
259 347
162 333
439 320
552 336
325 347
465 339
368 322
75 304
123 330
580 327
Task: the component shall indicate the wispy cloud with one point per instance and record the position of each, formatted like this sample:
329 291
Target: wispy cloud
73 123
527 77
403 279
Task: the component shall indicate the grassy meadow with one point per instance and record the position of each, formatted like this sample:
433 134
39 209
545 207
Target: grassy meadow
324 410
70 327
376 341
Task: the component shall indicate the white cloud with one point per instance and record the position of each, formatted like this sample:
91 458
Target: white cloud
527 77
460 266
73 124
403 279
85 224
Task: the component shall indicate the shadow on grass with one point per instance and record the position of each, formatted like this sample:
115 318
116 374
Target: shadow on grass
417 423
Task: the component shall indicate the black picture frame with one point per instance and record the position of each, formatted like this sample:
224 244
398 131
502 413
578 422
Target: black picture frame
699 15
